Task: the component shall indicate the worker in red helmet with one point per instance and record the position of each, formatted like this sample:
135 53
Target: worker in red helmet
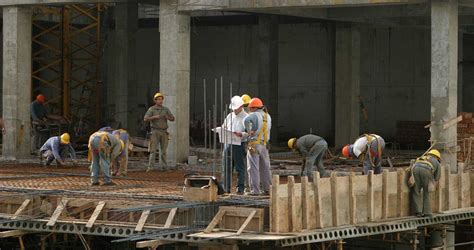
368 148
257 126
38 110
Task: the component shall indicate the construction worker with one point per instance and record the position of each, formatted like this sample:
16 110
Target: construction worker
426 172
120 164
56 148
234 122
258 125
246 99
368 148
313 148
103 149
158 116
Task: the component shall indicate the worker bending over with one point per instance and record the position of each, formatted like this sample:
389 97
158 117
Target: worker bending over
158 116
103 149
426 172
368 149
56 148
313 148
258 125
234 122
120 164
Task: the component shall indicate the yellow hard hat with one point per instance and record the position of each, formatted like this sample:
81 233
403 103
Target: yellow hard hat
65 138
435 152
291 143
122 145
246 99
158 94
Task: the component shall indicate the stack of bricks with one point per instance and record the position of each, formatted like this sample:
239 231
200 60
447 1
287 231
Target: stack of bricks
466 137
412 134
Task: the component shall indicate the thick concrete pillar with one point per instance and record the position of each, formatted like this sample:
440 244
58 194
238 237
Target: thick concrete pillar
174 76
126 25
268 68
444 76
16 82
347 80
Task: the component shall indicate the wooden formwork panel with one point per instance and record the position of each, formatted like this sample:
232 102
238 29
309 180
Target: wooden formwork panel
346 200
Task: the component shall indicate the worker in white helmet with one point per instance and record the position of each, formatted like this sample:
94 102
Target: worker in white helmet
234 122
158 116
368 148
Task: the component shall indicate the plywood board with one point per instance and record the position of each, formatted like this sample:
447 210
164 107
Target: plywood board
326 202
361 196
342 195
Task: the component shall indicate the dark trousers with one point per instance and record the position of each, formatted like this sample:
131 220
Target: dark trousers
236 160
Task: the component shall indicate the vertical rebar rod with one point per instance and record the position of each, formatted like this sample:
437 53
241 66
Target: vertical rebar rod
231 145
205 109
214 113
222 117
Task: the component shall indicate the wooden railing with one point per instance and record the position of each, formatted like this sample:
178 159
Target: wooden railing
356 199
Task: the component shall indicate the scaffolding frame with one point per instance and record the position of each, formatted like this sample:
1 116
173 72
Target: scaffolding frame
66 60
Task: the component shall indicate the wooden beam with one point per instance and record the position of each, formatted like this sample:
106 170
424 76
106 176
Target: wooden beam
142 220
291 204
317 200
304 201
370 198
20 209
95 214
246 222
385 194
215 221
171 215
151 244
334 191
13 233
400 183
352 200
59 209
274 205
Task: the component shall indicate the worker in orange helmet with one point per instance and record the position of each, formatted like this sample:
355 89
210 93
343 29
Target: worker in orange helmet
257 126
368 148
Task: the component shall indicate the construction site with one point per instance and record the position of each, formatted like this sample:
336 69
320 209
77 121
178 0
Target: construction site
395 74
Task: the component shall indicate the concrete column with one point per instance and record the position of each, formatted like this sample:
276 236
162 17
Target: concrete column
16 82
174 76
444 76
268 68
347 80
126 26
460 73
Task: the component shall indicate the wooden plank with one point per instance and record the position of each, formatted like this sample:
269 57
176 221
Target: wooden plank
352 200
452 122
385 194
335 221
317 200
274 205
21 208
370 198
304 202
95 214
170 218
151 244
400 183
13 233
59 209
249 218
447 178
460 186
291 204
142 220
438 195
215 221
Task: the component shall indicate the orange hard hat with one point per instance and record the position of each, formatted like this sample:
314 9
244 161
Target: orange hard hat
255 103
346 151
40 98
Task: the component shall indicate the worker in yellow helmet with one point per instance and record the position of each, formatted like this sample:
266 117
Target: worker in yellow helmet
246 101
158 116
103 149
426 172
56 148
312 148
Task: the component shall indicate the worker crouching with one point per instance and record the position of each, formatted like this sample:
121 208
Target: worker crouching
426 172
57 148
103 149
313 148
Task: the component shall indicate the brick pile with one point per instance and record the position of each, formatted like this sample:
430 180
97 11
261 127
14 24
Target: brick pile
465 131
412 134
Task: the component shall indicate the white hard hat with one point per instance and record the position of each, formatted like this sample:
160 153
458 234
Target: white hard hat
236 102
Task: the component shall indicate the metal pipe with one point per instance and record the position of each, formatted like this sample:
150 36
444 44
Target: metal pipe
205 120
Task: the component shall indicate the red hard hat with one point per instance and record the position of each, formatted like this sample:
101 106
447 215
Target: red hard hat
345 151
255 103
40 98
